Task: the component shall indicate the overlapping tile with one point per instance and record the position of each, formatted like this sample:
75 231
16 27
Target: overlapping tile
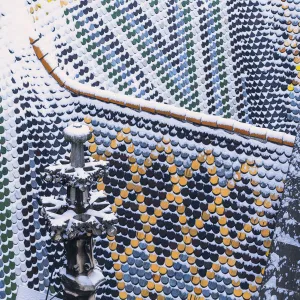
236 60
197 206
195 221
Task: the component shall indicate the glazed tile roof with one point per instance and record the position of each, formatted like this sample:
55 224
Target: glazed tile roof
196 210
236 60
196 205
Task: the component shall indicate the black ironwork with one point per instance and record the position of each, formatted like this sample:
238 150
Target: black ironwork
78 216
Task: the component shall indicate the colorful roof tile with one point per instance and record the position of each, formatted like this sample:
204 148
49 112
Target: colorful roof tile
229 59
196 202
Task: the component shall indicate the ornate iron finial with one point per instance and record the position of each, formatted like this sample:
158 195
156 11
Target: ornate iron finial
80 215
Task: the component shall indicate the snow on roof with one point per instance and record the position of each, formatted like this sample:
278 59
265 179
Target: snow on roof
152 107
24 293
190 54
196 195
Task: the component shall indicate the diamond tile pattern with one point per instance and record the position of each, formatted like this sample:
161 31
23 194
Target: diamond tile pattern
196 210
196 206
234 59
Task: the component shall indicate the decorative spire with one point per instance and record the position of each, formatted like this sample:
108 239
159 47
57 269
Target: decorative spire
78 216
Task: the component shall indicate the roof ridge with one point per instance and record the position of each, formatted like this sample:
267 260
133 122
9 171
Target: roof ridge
50 63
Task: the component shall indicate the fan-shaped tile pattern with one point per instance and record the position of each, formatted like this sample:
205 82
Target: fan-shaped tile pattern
196 206
234 59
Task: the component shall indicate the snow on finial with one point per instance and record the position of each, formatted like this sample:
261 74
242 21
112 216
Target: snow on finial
77 133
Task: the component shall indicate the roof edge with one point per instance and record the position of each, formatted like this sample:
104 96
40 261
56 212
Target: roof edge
50 63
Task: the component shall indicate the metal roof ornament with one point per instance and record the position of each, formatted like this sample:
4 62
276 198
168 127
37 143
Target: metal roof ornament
77 217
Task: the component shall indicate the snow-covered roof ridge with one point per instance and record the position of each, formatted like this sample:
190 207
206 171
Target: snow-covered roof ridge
51 65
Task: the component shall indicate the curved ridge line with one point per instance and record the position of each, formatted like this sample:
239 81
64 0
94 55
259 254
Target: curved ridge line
50 63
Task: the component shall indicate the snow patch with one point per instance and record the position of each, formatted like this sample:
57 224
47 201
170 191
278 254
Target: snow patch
24 293
21 26
287 239
271 283
77 130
